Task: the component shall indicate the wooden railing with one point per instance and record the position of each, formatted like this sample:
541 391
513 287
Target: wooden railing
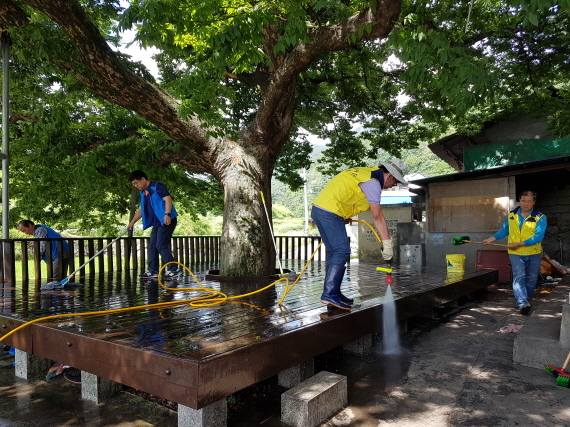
20 259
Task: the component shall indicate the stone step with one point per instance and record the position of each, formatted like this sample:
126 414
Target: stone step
538 343
314 400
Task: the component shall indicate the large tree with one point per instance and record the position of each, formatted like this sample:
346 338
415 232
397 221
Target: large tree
227 53
241 79
468 64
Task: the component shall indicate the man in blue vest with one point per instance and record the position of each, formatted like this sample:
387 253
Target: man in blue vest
349 193
525 227
41 231
157 211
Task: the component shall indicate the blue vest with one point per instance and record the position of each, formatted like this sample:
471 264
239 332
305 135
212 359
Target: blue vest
52 234
158 206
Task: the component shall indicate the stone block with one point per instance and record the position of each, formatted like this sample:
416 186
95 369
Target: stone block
214 415
30 366
539 341
297 374
361 346
314 400
403 326
97 389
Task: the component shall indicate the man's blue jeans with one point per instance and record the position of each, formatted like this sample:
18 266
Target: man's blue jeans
160 245
525 274
333 232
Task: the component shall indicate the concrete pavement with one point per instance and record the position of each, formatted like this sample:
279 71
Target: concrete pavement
461 373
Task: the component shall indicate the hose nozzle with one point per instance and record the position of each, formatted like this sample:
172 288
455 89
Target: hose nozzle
388 271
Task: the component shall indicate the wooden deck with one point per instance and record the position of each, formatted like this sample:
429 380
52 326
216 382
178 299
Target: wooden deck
197 356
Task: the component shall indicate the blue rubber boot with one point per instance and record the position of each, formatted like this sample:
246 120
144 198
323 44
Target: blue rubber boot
331 290
341 297
344 299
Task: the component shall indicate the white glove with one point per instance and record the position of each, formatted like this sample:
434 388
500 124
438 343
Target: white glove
387 250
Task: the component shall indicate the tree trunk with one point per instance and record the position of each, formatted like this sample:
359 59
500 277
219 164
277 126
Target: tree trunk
246 242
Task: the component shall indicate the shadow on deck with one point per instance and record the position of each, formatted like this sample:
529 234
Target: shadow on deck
197 356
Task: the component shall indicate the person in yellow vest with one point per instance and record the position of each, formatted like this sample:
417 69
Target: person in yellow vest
525 227
349 193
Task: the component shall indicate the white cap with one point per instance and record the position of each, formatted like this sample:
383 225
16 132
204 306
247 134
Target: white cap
397 168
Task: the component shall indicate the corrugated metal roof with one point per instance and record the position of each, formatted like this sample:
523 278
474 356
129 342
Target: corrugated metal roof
498 171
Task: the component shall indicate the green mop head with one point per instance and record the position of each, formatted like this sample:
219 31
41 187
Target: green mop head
460 240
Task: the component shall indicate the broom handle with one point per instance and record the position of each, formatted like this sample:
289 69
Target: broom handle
493 244
64 281
566 362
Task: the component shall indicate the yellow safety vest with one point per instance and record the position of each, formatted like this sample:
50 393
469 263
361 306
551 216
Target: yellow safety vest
343 196
517 234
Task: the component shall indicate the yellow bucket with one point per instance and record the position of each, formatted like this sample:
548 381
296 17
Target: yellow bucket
455 263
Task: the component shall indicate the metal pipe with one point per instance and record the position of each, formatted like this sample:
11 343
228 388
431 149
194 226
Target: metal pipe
272 235
5 47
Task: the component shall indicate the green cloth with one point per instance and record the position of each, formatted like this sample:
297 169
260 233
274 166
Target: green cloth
509 153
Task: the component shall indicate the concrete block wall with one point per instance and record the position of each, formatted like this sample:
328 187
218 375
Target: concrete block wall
368 245
555 204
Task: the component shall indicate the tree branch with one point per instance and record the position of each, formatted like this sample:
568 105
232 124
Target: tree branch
287 67
11 15
113 81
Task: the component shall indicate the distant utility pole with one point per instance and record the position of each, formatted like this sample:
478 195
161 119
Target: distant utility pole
306 204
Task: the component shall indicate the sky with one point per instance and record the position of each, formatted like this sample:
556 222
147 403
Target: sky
139 54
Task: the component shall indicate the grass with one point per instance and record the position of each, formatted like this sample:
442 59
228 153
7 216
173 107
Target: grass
88 270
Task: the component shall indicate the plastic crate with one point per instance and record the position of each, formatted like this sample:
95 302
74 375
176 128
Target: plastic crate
498 260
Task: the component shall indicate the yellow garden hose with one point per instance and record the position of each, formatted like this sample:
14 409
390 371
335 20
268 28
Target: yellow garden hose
213 297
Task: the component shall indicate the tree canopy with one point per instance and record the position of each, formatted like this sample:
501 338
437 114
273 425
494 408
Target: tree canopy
240 85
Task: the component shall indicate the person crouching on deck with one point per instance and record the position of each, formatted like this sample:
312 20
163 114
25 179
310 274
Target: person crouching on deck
40 231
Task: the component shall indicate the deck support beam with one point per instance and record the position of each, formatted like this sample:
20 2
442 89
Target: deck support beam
30 366
360 346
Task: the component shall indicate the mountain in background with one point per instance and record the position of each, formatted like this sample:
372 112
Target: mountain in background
421 160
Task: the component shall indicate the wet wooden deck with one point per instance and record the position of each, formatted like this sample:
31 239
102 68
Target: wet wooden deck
196 356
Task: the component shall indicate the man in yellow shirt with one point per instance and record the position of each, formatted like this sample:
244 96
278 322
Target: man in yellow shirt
349 193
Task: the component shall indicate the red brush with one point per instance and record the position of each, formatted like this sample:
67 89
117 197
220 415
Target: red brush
562 378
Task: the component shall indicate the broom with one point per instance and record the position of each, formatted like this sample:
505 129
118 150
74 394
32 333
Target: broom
55 285
562 378
456 241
